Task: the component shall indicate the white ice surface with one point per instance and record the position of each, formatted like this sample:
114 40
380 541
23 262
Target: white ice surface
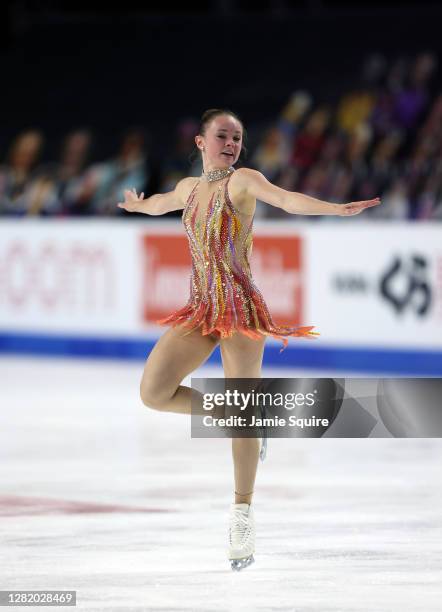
101 495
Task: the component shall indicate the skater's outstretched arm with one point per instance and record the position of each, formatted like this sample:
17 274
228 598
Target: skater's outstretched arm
157 204
256 184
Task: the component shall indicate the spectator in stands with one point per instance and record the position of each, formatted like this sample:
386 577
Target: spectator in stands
383 115
345 156
310 139
176 166
384 137
432 126
294 113
55 190
416 168
356 106
105 183
396 201
272 154
428 199
316 180
414 97
18 172
383 165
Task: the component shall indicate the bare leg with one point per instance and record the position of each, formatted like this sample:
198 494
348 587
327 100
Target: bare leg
242 358
174 357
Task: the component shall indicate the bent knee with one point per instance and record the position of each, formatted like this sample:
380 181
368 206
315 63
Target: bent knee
152 396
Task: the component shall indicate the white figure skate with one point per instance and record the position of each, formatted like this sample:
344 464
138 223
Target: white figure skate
241 536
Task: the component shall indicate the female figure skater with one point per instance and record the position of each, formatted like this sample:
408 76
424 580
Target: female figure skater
224 307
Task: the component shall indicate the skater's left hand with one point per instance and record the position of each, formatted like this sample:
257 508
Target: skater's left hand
354 208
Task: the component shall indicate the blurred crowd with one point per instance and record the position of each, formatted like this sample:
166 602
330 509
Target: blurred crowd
383 137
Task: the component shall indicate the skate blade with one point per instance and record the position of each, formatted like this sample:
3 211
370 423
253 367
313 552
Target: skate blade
239 564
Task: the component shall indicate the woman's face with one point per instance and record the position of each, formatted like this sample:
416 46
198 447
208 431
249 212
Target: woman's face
221 145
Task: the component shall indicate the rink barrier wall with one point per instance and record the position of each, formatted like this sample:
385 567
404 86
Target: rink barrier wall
369 360
95 287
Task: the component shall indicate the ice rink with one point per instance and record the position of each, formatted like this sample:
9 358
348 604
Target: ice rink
103 496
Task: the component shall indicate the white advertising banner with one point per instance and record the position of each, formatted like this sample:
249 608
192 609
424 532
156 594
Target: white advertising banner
376 285
69 276
369 285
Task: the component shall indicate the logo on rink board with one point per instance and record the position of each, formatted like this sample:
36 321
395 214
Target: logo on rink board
276 263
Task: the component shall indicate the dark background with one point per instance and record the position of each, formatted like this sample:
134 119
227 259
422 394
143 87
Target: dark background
73 64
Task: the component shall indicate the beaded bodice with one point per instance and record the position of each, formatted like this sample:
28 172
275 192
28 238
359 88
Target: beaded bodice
223 298
220 240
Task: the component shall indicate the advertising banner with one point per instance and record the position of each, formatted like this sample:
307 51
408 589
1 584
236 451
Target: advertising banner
378 285
372 291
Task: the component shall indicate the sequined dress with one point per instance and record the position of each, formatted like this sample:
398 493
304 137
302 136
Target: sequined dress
223 297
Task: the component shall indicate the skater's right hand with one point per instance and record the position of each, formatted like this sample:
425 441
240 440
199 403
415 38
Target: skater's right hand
131 200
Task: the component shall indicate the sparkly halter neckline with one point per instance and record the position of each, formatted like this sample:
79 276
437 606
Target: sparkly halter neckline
217 174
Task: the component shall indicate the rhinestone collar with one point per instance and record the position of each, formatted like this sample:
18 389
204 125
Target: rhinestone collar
217 174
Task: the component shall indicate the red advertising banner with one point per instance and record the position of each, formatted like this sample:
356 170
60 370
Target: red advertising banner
276 263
